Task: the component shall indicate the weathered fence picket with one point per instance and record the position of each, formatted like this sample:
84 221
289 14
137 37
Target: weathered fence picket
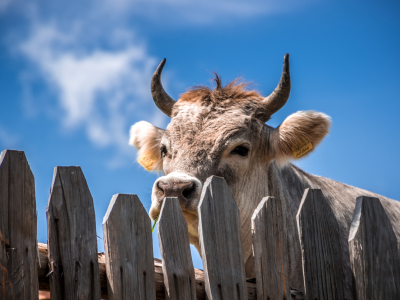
323 265
221 242
129 265
179 278
70 267
18 253
159 278
270 250
373 252
72 238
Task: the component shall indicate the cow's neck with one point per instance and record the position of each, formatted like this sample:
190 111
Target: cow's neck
287 184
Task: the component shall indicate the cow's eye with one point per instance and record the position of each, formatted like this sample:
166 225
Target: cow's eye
240 150
163 151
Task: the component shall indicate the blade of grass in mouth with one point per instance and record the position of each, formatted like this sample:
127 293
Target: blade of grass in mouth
154 225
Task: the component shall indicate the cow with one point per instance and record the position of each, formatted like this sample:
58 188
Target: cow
223 132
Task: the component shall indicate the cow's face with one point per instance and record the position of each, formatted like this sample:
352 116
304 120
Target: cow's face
220 132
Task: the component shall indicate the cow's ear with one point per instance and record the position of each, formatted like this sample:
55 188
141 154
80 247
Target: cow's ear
147 138
298 135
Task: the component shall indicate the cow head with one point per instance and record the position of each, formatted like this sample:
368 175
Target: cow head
221 132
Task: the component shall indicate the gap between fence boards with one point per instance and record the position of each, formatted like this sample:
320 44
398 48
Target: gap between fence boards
43 271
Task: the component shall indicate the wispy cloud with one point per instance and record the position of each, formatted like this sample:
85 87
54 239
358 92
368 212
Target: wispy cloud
99 90
98 69
201 12
166 12
4 4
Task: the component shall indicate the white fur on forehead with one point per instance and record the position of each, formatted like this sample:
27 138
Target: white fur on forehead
147 139
188 110
297 128
193 112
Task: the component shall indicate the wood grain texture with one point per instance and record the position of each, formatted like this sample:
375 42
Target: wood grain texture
18 244
323 265
270 252
128 249
221 243
179 278
373 252
159 277
72 237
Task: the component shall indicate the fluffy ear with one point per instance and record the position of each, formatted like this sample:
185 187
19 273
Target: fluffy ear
147 138
298 135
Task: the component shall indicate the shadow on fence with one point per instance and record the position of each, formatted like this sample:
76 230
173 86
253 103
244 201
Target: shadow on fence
70 267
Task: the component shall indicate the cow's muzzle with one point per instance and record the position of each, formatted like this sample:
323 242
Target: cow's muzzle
185 187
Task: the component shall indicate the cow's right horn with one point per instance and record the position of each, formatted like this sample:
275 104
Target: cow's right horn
163 101
280 95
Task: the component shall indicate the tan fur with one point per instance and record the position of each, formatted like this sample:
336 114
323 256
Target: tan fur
232 92
146 138
295 131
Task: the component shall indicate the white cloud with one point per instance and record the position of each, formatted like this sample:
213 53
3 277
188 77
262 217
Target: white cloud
96 89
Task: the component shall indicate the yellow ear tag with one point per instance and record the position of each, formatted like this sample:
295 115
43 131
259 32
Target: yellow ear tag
302 149
147 162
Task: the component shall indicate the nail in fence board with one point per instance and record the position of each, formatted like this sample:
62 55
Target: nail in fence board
72 237
221 243
323 266
177 262
373 252
18 244
269 245
128 249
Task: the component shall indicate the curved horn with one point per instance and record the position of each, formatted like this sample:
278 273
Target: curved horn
163 101
280 95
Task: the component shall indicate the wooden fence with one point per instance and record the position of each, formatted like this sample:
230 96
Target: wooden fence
70 267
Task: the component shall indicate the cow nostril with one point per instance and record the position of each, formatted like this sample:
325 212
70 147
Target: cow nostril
159 187
178 189
188 191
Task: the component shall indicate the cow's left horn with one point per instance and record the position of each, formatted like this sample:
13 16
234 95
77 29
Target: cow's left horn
163 101
280 95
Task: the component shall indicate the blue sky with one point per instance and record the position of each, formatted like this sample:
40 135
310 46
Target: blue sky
75 75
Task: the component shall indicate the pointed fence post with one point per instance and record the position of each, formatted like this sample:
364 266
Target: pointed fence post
72 239
373 252
128 248
270 251
221 242
18 243
323 265
179 278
